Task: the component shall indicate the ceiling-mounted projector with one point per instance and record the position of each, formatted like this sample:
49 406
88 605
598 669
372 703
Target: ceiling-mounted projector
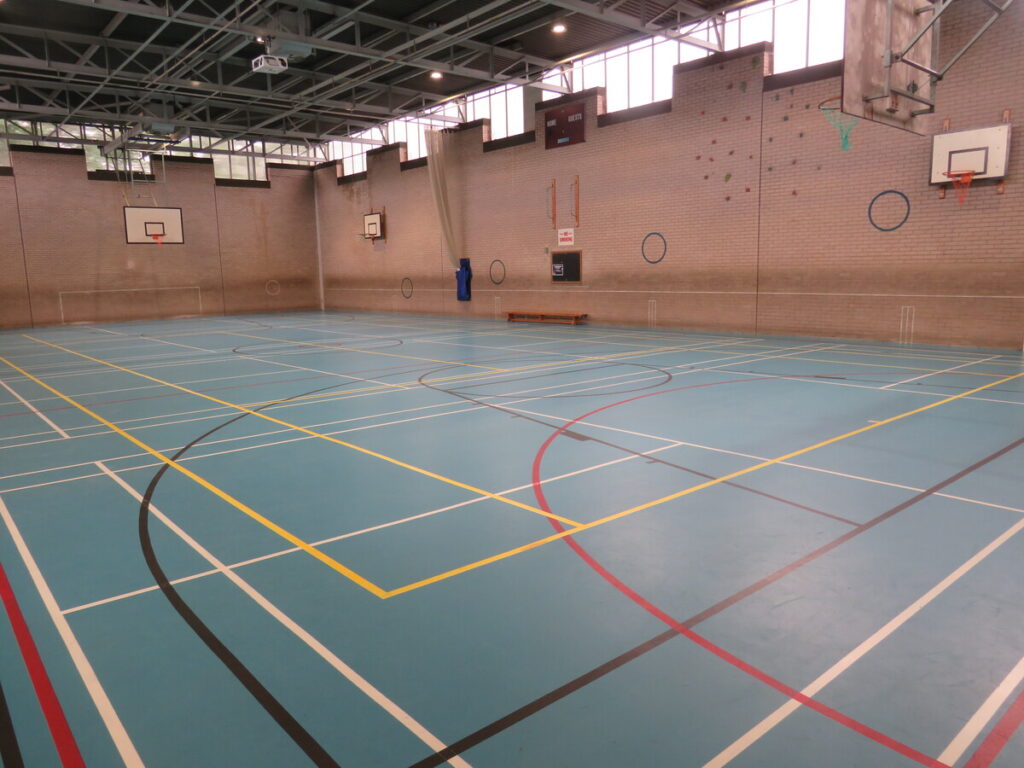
270 64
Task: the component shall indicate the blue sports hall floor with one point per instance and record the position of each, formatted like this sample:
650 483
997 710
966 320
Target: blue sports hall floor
395 541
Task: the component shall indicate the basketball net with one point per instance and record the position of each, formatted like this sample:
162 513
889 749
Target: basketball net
844 122
158 239
961 183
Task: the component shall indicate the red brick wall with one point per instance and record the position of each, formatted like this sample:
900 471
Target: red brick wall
765 217
81 269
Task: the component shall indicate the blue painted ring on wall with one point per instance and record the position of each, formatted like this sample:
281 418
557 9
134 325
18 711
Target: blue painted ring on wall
406 288
654 247
876 198
497 275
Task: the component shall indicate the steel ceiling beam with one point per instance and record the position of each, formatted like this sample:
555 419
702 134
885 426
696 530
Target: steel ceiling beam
621 19
240 28
209 59
214 127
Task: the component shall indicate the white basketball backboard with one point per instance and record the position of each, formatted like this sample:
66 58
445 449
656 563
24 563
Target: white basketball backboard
144 225
982 150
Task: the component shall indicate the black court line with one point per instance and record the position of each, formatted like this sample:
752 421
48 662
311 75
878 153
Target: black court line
10 752
650 458
302 738
538 704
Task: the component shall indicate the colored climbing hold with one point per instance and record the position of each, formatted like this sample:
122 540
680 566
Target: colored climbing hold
743 86
728 176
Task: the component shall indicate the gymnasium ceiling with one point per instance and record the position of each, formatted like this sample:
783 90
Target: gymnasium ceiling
151 64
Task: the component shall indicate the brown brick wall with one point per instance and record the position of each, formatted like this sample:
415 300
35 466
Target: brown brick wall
268 244
14 307
81 269
765 217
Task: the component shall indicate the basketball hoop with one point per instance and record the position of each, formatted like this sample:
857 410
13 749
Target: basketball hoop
158 239
961 183
831 108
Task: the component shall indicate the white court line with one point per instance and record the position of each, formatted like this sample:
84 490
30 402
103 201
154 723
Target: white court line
741 454
936 373
35 410
106 710
728 754
352 534
301 633
951 754
834 383
214 412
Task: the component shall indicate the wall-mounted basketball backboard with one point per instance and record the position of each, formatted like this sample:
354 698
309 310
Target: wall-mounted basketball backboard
373 225
984 151
153 226
876 84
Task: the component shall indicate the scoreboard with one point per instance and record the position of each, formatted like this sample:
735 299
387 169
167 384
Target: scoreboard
563 125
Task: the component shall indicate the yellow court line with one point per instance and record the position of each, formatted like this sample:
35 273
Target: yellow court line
456 377
635 353
353 446
267 523
356 349
887 365
686 491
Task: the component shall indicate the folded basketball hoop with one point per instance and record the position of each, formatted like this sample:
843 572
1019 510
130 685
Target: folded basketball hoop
158 239
831 108
961 183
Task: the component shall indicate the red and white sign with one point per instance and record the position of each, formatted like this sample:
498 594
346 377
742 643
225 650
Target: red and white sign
567 237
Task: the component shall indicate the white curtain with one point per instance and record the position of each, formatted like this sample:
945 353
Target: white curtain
437 165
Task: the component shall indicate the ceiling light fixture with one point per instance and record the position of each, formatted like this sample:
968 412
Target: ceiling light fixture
558 27
435 75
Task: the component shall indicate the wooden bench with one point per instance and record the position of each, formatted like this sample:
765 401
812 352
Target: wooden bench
571 318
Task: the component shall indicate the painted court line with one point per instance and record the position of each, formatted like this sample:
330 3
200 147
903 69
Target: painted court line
113 723
53 712
244 409
728 754
936 373
356 349
241 507
958 746
685 492
350 534
367 688
34 410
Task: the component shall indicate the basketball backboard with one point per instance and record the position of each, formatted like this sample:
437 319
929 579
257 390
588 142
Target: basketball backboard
144 225
880 83
984 151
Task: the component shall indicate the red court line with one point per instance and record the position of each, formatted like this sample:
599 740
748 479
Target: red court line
689 634
63 739
1000 735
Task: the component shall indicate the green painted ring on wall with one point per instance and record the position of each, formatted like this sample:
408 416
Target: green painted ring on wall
273 288
406 288
653 247
871 206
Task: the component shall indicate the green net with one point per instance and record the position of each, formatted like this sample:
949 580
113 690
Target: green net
844 122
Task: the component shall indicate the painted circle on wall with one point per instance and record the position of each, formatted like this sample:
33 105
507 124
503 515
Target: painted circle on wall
406 287
893 212
497 272
273 288
654 247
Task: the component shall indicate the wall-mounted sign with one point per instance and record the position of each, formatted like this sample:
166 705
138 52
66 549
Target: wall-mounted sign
566 237
563 125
